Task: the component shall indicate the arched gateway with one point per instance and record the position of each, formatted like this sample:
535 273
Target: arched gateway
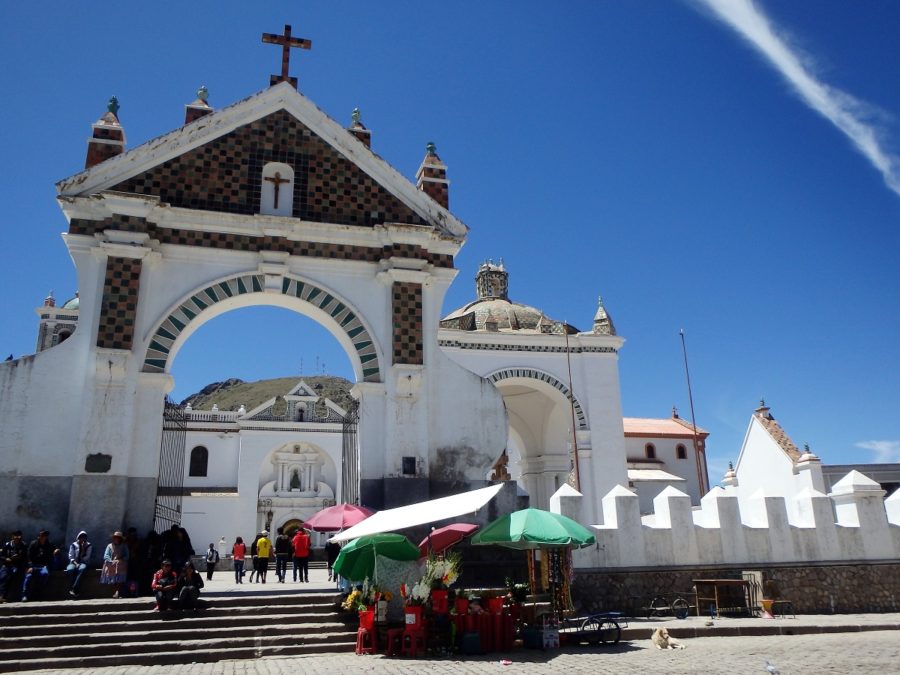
267 201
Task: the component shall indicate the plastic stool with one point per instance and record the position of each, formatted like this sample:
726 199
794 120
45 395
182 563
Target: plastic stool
365 641
416 642
394 641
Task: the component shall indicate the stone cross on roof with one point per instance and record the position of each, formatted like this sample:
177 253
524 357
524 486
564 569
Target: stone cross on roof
286 42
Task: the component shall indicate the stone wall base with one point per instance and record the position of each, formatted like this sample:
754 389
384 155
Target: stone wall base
813 588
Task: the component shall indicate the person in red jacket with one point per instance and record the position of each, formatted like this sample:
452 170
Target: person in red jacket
300 544
165 581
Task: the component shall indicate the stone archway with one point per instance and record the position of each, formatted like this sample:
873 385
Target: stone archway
196 307
539 438
540 376
291 526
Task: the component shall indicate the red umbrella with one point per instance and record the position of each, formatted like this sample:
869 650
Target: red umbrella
444 537
338 517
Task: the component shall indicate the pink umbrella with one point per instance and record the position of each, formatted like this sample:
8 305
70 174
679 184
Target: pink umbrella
338 517
444 537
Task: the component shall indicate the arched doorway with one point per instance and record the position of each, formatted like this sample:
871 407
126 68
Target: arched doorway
539 438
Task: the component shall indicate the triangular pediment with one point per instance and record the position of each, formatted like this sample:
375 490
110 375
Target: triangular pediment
302 389
215 164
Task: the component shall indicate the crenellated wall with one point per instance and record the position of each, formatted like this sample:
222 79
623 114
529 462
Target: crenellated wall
852 524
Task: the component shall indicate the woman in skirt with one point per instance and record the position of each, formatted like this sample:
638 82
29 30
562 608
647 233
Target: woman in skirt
115 563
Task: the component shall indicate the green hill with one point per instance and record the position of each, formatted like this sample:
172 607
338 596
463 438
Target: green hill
233 393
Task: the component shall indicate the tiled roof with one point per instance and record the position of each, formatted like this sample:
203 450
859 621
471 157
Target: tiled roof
660 428
778 434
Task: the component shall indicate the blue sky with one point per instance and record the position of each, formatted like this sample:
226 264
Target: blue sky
642 150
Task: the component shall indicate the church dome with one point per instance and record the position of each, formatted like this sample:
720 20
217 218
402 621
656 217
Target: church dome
71 304
493 311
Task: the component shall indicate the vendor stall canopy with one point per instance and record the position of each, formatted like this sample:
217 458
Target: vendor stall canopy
422 513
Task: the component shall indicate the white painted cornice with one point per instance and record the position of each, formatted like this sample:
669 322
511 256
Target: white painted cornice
282 96
107 204
529 338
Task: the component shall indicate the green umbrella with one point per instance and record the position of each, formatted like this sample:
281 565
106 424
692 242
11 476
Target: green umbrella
534 528
356 561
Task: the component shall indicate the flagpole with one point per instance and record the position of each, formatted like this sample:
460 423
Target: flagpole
687 373
572 410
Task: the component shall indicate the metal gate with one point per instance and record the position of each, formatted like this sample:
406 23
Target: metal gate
171 468
350 457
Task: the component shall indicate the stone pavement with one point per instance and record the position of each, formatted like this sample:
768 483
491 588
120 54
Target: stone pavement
223 583
842 644
822 654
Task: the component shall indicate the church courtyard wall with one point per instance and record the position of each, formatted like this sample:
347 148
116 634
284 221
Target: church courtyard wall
815 588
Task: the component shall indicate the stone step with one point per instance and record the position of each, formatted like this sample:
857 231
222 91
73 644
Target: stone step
179 654
310 602
327 631
147 613
156 621
137 643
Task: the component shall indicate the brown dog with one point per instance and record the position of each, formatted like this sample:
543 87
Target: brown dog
661 639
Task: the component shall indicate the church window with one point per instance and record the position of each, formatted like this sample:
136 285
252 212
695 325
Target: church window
681 451
63 336
276 190
199 461
650 451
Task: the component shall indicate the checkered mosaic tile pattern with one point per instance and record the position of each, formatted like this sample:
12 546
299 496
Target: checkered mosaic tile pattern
119 306
165 336
226 174
406 299
240 242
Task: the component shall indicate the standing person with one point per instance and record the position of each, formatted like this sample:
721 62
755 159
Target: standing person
37 572
282 551
151 561
177 547
164 584
332 548
14 556
79 559
254 564
263 552
300 544
189 584
135 561
238 551
115 563
212 557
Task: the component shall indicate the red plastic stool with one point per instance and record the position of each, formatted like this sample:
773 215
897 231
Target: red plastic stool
416 642
394 641
365 641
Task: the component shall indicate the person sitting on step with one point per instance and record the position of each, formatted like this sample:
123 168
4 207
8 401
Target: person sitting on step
165 583
14 558
79 559
189 584
40 558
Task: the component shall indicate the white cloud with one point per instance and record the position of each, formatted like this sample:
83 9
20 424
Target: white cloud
884 451
847 113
